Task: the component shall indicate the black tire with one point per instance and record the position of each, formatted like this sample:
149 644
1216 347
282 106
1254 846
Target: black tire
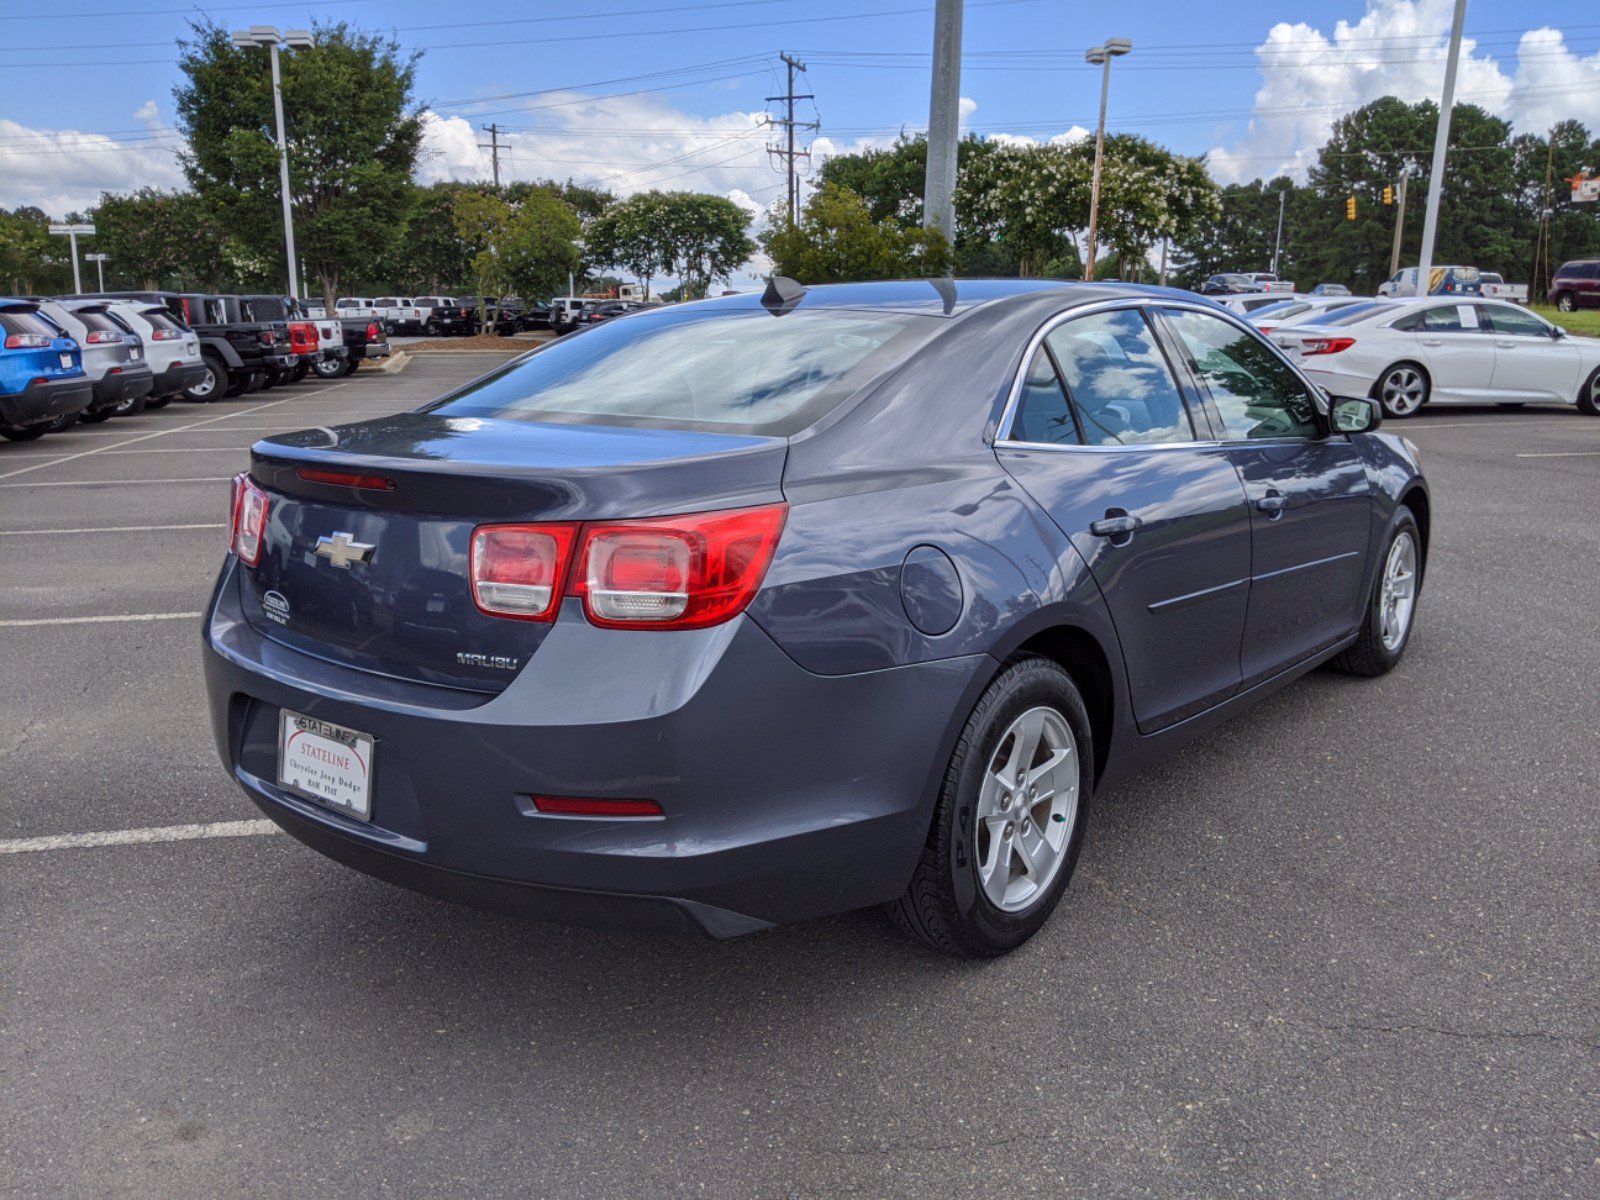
1509 405
431 329
132 407
301 370
151 403
24 433
60 424
1589 395
1393 377
330 370
213 385
1368 656
351 366
945 905
1566 302
269 380
253 382
97 416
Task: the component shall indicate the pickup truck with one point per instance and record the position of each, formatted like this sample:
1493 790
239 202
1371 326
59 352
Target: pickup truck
445 315
1495 286
362 339
400 314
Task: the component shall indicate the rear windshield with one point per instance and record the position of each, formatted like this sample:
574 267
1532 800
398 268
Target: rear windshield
1352 314
159 319
16 320
1283 308
708 368
96 321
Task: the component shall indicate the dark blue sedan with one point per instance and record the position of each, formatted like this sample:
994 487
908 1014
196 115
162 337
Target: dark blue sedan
728 614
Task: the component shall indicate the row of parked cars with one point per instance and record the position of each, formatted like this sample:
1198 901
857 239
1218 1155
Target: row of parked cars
88 358
447 316
1405 352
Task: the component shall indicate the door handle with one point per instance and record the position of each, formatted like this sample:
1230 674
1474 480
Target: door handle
1114 524
1506 345
1433 341
1272 503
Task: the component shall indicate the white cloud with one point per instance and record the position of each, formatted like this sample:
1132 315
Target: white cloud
1398 48
63 170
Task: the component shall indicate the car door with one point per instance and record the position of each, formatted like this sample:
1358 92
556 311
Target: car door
1455 344
1310 507
1530 361
1103 438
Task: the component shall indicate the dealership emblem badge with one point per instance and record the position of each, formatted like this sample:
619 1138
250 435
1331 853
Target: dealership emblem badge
276 606
342 549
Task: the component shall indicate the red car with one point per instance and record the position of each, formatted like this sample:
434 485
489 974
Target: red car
1576 285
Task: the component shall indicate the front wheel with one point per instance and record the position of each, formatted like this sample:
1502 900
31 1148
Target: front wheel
1589 395
210 385
1402 390
1386 628
1566 302
1010 819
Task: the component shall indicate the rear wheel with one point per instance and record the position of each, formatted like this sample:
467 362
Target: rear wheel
210 385
1386 629
351 366
60 424
1566 302
330 370
1589 395
1402 390
1010 818
431 328
130 407
24 433
254 381
301 370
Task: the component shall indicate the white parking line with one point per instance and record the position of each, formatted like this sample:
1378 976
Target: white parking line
1424 426
135 837
254 408
182 616
186 450
107 529
114 482
1564 454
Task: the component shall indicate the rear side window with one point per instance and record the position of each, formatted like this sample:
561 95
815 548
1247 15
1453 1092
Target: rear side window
711 368
1043 412
1450 318
19 321
1119 381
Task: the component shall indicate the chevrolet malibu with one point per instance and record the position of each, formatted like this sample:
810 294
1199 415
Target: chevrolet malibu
734 613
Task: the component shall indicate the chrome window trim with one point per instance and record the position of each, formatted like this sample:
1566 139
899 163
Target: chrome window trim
1008 414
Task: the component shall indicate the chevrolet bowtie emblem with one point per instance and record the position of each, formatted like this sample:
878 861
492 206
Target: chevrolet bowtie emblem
342 549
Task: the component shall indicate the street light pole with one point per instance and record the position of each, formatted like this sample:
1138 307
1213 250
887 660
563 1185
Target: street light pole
71 232
1441 143
268 36
99 261
1100 55
944 121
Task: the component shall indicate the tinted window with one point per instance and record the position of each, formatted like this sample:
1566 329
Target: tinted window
1043 414
707 367
1119 381
1514 320
18 321
96 322
1256 392
159 320
1355 314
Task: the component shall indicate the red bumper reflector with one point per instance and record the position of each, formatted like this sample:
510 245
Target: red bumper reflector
376 483
576 806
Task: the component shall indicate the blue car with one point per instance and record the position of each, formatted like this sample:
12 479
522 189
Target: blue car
747 611
41 372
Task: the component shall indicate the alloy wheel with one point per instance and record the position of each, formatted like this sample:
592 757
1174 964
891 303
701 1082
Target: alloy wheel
1564 303
1027 808
1403 391
203 389
1399 596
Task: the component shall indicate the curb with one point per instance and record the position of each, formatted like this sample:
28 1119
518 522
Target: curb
395 363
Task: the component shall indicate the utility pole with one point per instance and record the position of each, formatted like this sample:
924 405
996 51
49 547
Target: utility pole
1541 243
1399 221
1441 143
1277 246
944 121
787 151
493 130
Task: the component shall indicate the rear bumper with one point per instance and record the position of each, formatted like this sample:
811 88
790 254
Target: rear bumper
178 376
375 350
1347 385
45 401
787 795
129 383
332 354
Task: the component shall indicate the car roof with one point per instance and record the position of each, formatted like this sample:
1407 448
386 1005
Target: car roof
951 297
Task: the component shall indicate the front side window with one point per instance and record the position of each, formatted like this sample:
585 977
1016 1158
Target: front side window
699 367
1515 321
1119 380
1257 394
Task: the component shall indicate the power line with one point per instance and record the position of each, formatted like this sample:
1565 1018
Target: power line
494 149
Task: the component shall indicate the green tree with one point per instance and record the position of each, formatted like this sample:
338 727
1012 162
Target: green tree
162 240
353 132
836 240
627 235
1242 236
698 237
30 259
1030 198
1148 193
540 244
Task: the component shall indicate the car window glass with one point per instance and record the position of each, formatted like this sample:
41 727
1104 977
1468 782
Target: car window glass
96 322
1450 318
1515 321
1043 413
19 321
1119 381
1255 391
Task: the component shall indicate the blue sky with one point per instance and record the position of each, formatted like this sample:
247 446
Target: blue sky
86 100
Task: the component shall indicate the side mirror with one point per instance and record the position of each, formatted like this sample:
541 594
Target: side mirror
1558 332
1356 416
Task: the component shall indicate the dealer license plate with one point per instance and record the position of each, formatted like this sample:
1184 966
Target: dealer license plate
66 360
326 763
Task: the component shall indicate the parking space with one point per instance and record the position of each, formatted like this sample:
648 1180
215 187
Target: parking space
1342 946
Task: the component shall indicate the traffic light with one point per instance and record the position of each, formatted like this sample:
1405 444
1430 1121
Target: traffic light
1388 194
1350 209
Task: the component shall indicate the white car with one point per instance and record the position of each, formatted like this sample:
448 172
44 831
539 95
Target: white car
1299 310
171 349
1407 353
1246 303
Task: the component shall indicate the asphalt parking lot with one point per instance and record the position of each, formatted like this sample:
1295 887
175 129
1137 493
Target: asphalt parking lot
1344 946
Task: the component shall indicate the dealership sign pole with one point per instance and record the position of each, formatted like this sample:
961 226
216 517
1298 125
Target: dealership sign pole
71 232
1441 142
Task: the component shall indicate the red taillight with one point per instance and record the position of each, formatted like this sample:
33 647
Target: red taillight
249 519
166 335
1266 328
27 341
352 479
372 332
104 337
268 338
517 570
683 572
1313 346
579 806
